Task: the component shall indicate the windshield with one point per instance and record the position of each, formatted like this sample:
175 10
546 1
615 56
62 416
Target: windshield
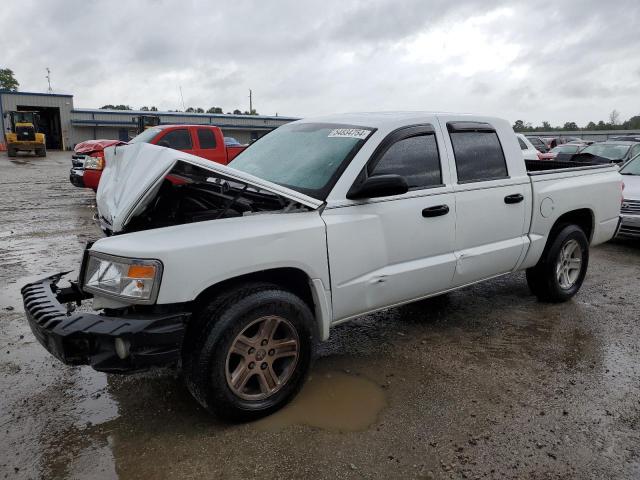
307 157
632 167
612 151
146 136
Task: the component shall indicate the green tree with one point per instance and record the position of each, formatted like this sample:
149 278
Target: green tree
116 107
546 125
199 110
591 126
144 109
8 82
237 112
153 109
215 110
570 126
518 126
633 123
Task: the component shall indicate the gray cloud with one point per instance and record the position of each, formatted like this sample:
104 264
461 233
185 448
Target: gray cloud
574 60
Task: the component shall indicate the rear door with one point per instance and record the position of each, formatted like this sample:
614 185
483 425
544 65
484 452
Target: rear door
389 250
492 204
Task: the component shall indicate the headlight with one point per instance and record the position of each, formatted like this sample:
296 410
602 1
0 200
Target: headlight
94 163
130 279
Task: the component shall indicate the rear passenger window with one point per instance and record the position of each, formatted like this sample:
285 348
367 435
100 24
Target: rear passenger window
179 139
414 158
206 138
523 146
478 153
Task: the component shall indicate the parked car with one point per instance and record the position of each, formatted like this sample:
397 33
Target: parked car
206 141
529 152
235 271
87 162
612 151
626 138
231 142
569 148
630 210
540 145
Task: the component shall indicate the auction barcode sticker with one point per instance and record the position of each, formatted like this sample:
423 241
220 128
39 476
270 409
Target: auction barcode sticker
349 133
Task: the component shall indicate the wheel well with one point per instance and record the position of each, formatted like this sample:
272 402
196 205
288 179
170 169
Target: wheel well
292 279
583 218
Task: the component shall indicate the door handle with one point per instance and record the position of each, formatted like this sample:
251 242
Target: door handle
436 211
515 198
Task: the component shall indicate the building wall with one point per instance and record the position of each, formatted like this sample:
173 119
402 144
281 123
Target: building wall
78 125
95 123
10 101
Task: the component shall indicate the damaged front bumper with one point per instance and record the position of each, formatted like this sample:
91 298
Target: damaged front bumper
108 343
76 177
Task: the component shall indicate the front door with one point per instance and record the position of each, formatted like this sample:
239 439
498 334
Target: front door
389 250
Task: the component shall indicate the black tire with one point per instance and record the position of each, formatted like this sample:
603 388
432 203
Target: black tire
12 152
214 330
41 152
543 279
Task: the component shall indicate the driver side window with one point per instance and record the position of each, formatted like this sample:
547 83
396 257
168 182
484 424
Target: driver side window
415 158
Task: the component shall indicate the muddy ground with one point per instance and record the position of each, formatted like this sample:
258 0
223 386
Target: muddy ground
482 383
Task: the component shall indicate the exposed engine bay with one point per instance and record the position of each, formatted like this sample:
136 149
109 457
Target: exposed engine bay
193 194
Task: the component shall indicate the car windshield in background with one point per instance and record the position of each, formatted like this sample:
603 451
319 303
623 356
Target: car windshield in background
611 151
632 167
307 157
146 136
565 149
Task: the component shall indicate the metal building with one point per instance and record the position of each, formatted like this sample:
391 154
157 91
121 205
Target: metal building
65 126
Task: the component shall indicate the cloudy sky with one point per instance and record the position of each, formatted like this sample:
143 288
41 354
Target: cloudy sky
560 60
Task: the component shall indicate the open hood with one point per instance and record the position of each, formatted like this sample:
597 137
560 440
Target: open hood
134 173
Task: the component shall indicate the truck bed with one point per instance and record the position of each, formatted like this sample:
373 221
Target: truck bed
542 167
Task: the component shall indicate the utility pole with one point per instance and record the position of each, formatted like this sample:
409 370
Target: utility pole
48 77
250 102
181 97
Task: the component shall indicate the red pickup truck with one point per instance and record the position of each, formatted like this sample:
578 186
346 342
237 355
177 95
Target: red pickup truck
204 141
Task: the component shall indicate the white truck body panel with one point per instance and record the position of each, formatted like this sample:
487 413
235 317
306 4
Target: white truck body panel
365 255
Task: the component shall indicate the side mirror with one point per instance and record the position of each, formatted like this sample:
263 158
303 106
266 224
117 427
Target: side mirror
164 143
379 186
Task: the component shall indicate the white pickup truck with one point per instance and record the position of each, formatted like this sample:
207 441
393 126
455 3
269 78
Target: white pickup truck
234 272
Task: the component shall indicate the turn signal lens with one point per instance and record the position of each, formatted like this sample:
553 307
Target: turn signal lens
141 271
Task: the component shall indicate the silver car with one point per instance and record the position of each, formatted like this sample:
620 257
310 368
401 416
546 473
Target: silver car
630 211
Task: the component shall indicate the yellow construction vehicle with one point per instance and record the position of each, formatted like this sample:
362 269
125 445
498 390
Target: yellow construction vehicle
23 135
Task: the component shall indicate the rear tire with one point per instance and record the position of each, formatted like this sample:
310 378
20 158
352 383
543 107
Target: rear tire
561 270
41 152
249 351
12 152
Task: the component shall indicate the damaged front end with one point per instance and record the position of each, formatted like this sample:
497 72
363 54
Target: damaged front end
145 186
123 341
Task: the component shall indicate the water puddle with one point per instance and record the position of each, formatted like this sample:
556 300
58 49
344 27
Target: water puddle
332 401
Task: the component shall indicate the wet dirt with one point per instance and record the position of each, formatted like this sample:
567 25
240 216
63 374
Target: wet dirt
334 401
485 382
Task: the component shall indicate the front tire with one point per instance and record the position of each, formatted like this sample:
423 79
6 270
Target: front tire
249 352
12 152
561 270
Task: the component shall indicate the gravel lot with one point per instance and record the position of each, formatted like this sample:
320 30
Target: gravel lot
482 383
